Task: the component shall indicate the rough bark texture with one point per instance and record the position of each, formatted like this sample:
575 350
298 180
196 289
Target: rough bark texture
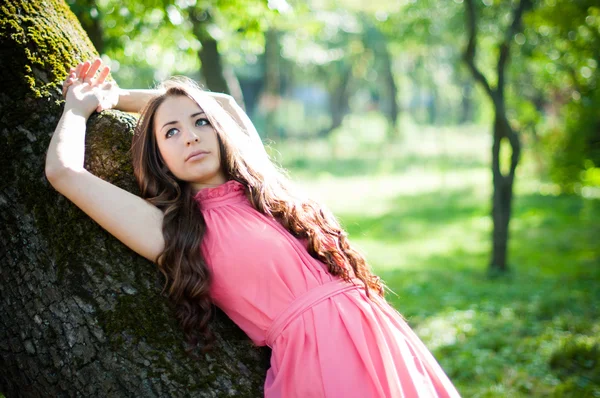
80 314
503 184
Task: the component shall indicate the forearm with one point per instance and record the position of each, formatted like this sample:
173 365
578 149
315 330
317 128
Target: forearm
67 146
135 100
238 114
244 120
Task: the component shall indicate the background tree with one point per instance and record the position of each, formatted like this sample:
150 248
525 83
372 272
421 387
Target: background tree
210 58
502 130
171 37
272 81
562 47
80 314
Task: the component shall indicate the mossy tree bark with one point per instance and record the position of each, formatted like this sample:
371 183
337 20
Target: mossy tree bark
80 314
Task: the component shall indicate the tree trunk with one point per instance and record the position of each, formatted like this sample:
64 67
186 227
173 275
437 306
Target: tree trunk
466 104
503 184
390 83
217 79
377 41
272 93
80 314
501 198
339 100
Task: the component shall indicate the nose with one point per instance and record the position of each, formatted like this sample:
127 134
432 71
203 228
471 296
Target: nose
191 138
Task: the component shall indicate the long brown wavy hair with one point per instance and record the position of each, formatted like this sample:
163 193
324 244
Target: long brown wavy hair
242 159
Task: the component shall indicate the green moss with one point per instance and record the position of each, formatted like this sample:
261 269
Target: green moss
47 50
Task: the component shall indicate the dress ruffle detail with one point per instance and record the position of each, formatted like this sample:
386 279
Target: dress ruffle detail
232 186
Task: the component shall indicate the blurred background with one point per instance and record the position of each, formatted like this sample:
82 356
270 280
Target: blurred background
372 108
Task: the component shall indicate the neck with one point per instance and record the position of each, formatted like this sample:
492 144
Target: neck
212 183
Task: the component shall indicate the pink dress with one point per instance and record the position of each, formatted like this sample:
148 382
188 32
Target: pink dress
327 338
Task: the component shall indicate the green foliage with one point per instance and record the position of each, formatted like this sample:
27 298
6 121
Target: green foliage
577 364
143 42
149 41
561 46
576 150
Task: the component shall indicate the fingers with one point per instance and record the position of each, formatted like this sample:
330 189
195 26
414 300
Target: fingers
85 67
91 72
85 73
68 81
78 69
102 76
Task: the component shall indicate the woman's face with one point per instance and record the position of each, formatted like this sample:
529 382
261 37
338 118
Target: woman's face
188 143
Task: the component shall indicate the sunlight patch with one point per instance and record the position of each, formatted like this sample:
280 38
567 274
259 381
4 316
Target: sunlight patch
446 329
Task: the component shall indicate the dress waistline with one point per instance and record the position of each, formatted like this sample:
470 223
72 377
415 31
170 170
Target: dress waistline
307 300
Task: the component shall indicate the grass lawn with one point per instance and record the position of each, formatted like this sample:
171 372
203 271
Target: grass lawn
419 210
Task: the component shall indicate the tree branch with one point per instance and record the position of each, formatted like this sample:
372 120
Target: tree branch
470 50
514 28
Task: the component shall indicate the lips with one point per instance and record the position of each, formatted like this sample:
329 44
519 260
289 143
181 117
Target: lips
196 155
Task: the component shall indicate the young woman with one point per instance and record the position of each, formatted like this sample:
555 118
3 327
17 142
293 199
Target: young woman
227 228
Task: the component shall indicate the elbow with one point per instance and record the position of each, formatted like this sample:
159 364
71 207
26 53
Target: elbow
57 174
52 168
53 174
61 177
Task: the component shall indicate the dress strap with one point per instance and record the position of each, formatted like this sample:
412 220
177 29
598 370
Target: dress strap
310 298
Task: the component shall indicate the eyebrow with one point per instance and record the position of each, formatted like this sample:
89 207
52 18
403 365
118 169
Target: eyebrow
175 121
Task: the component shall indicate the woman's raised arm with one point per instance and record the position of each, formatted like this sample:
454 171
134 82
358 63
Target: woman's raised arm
237 113
132 220
135 100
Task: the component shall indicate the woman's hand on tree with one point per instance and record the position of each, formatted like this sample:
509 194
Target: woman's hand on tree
87 92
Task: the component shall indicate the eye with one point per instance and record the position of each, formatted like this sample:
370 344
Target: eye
202 122
171 133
